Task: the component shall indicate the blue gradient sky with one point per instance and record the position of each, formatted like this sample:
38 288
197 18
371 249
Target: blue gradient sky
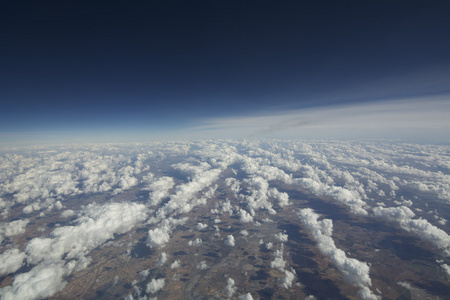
118 70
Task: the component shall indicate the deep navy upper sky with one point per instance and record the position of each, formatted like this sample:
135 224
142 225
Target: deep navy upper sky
157 65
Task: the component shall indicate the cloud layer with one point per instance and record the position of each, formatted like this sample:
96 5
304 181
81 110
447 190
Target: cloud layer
225 193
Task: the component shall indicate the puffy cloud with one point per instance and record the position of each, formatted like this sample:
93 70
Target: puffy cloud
244 216
155 285
230 289
351 174
234 184
182 200
393 213
48 203
247 296
69 170
40 182
42 281
446 268
67 213
419 186
192 169
229 241
352 199
210 192
201 226
159 236
366 294
258 198
281 237
10 261
160 189
287 280
405 284
126 179
283 198
196 242
278 263
129 297
226 207
175 264
4 207
96 224
56 172
14 227
78 265
254 167
144 273
421 227
354 271
202 265
163 259
429 233
279 156
57 205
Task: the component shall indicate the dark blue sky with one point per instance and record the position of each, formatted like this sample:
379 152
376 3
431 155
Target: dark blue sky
154 66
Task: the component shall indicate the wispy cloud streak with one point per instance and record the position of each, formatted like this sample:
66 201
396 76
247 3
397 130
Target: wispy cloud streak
418 118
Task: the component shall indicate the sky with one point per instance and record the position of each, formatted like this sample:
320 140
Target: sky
83 71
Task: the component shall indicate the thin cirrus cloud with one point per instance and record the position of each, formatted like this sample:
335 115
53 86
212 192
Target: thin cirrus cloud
418 119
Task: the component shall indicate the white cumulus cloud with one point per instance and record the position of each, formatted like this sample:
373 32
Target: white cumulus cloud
155 285
229 241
